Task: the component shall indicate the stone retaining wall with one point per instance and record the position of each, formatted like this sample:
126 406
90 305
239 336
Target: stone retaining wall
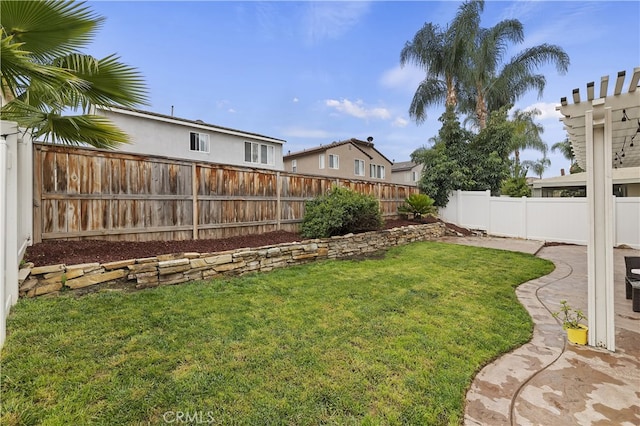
182 267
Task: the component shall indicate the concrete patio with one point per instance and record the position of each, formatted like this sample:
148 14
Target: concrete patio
550 381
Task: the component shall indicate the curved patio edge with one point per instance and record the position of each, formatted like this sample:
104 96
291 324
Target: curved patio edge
490 398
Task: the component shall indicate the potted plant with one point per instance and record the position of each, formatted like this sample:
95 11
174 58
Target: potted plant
576 332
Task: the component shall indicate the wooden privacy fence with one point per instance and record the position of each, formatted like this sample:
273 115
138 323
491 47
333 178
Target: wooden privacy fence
90 194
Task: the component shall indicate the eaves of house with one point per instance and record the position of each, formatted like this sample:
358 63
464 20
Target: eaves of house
199 124
357 143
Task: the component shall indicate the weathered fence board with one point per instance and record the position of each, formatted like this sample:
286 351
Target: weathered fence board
91 194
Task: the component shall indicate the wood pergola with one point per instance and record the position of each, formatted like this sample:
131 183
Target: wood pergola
604 132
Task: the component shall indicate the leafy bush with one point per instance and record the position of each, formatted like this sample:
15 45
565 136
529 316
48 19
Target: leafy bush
516 187
340 211
418 205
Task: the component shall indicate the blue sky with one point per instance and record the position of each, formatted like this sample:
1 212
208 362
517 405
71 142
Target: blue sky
316 72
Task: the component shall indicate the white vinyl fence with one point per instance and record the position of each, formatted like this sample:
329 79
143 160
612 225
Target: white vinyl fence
543 219
16 203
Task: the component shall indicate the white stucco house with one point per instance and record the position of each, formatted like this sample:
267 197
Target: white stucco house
165 135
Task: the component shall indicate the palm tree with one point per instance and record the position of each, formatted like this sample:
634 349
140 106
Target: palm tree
538 166
526 133
45 76
489 87
442 54
565 149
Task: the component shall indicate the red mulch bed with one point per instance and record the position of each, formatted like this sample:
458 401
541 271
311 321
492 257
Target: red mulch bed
54 252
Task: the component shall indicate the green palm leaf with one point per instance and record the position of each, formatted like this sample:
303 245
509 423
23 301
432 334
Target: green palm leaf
43 74
430 92
110 82
48 28
94 130
18 70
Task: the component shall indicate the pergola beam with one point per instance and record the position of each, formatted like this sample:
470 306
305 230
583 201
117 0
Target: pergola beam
619 82
634 80
590 91
604 85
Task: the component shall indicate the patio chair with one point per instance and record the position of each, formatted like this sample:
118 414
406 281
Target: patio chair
631 262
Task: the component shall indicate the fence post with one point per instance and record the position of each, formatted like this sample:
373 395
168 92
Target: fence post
614 220
278 202
24 182
194 195
458 204
3 227
37 193
524 230
8 222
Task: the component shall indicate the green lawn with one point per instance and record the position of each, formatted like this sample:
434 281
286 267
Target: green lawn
395 340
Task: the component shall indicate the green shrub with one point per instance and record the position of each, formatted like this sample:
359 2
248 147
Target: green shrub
340 212
418 205
516 187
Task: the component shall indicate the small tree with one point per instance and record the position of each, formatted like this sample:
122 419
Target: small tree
446 161
418 205
516 187
516 184
340 212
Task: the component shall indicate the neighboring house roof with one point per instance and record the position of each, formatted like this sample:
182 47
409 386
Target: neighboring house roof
620 176
402 166
322 148
191 123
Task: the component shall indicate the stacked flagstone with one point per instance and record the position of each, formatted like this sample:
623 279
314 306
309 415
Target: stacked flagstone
183 267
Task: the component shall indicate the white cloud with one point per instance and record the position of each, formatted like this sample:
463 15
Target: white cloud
358 109
330 20
300 132
547 109
400 122
406 78
519 9
295 100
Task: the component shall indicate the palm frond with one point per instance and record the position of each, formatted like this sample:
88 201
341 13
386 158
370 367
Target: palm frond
19 70
110 82
565 149
532 58
49 28
24 114
425 50
430 92
94 130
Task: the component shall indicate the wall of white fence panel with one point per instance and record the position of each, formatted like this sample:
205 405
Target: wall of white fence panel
557 219
474 209
16 203
545 219
627 226
505 216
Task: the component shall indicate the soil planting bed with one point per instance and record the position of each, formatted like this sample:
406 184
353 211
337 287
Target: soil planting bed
53 252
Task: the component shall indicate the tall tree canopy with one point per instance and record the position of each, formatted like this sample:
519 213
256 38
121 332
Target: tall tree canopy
442 54
462 160
45 77
527 133
464 64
